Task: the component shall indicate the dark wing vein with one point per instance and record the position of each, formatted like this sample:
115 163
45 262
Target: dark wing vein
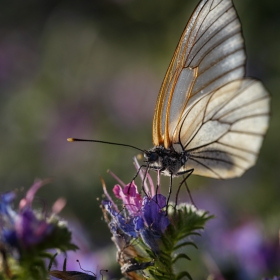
222 40
219 77
217 159
216 151
207 167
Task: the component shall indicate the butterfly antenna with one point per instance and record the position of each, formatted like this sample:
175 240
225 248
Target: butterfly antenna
103 270
104 142
84 269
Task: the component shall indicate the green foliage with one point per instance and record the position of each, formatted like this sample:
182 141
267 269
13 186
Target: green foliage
31 262
186 222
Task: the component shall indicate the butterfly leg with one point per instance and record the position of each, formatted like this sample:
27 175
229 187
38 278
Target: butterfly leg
189 193
158 183
144 178
138 171
188 172
136 175
169 193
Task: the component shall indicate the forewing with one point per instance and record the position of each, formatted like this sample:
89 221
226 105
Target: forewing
227 129
209 55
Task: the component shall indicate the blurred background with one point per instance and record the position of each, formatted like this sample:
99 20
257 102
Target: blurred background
92 69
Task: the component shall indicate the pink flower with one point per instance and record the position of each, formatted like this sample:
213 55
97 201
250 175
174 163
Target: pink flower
130 197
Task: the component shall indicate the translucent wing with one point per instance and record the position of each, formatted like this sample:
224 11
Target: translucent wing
223 131
209 55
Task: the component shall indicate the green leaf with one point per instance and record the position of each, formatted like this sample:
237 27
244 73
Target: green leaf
185 244
186 222
181 256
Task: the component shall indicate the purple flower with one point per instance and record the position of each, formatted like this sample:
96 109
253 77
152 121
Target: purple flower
124 223
153 215
150 237
153 221
7 214
142 216
24 228
30 229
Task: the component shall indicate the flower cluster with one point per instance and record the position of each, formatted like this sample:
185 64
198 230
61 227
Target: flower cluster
146 232
144 216
23 229
26 234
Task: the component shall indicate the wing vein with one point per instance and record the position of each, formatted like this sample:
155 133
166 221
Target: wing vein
207 167
219 151
241 106
217 159
218 77
217 44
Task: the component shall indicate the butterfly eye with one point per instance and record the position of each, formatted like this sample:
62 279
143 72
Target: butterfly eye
152 157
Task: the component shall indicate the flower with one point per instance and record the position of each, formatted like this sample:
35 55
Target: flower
125 224
25 228
28 230
138 227
27 234
148 235
152 222
144 216
130 197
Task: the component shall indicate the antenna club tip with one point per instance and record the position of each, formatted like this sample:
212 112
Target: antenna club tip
70 139
139 156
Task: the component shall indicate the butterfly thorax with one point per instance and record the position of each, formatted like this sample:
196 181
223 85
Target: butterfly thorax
168 161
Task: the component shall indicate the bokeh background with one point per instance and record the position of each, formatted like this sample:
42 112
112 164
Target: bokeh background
92 69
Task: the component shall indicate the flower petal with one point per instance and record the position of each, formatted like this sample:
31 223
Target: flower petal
130 197
126 225
153 214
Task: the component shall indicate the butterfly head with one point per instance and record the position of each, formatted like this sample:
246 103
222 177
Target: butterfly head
151 156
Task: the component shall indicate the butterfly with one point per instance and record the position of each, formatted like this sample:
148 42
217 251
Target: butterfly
209 118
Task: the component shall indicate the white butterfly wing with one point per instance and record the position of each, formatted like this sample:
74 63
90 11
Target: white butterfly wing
209 55
227 129
205 106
